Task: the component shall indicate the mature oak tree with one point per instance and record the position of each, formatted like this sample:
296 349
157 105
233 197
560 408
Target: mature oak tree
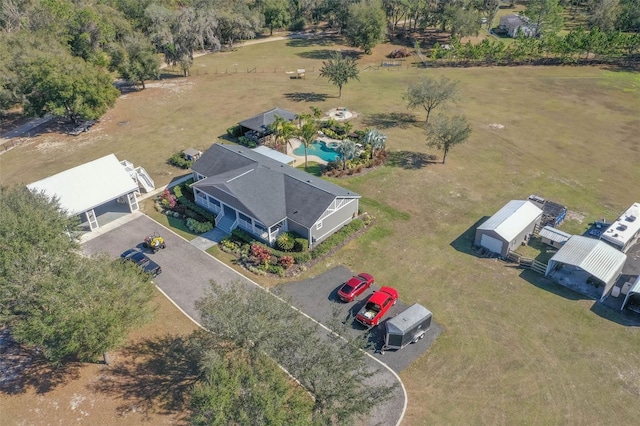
52 298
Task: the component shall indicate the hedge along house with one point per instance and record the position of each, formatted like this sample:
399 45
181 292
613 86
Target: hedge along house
508 228
98 191
586 265
265 197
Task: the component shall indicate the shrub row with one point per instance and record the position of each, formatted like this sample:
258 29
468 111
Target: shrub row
338 238
234 131
298 257
178 160
198 227
249 143
190 205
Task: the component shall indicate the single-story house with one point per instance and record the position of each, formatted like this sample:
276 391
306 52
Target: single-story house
263 196
585 264
624 232
509 227
258 126
553 237
96 187
514 24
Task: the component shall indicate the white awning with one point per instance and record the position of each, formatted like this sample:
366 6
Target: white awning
274 155
89 185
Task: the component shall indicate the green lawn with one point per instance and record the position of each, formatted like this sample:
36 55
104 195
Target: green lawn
516 349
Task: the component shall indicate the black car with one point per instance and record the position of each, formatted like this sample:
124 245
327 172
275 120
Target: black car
140 259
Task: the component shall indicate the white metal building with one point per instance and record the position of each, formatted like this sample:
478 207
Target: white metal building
584 261
509 227
553 237
84 188
624 232
632 298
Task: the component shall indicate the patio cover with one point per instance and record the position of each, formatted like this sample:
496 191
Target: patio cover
273 154
89 185
593 256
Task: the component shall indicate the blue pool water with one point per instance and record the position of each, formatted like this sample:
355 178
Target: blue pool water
320 149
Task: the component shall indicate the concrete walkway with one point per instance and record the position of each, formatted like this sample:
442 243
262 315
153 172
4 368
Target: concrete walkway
208 239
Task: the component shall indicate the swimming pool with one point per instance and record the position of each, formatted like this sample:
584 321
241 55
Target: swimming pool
319 149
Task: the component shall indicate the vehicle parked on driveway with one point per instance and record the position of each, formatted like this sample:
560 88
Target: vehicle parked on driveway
154 242
354 287
140 259
378 304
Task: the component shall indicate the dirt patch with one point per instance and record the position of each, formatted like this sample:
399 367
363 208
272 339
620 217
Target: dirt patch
571 215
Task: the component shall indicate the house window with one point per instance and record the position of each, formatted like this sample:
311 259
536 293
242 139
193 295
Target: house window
261 227
213 201
244 217
319 225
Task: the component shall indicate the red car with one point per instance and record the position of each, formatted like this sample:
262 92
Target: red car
377 305
355 287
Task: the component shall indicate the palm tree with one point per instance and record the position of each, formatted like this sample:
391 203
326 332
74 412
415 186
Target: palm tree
347 150
307 133
282 130
376 139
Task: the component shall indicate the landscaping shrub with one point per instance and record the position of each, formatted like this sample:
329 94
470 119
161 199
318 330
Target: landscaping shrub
190 205
285 241
301 245
234 131
333 241
297 25
249 143
286 262
261 253
178 160
275 269
243 235
198 227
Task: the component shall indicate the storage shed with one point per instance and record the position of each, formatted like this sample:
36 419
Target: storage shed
553 237
509 227
586 265
407 327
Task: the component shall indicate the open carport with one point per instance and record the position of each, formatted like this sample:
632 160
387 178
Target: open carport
587 266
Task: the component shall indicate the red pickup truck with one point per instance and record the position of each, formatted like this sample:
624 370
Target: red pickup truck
377 305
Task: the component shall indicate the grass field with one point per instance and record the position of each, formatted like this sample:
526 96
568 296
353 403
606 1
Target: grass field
516 349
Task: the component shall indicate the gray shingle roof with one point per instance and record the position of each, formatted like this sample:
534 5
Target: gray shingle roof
265 188
261 121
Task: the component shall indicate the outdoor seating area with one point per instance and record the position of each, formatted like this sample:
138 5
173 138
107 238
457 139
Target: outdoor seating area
341 113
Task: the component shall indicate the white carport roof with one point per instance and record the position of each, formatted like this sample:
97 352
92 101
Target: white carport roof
635 289
89 185
510 220
593 256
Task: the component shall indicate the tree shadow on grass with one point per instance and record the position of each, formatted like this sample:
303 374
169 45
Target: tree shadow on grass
156 372
314 41
323 54
388 120
306 96
23 370
409 159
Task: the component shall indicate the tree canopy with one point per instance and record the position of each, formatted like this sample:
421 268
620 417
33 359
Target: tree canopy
430 93
339 70
54 299
367 25
445 133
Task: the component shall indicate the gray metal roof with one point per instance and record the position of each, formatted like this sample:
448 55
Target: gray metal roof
263 187
407 319
554 234
276 155
593 256
512 219
261 122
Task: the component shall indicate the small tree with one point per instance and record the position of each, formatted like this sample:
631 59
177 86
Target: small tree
367 25
276 14
307 133
445 133
283 130
347 150
376 139
431 93
339 70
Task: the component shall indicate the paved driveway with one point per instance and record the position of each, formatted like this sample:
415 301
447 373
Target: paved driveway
186 272
317 297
